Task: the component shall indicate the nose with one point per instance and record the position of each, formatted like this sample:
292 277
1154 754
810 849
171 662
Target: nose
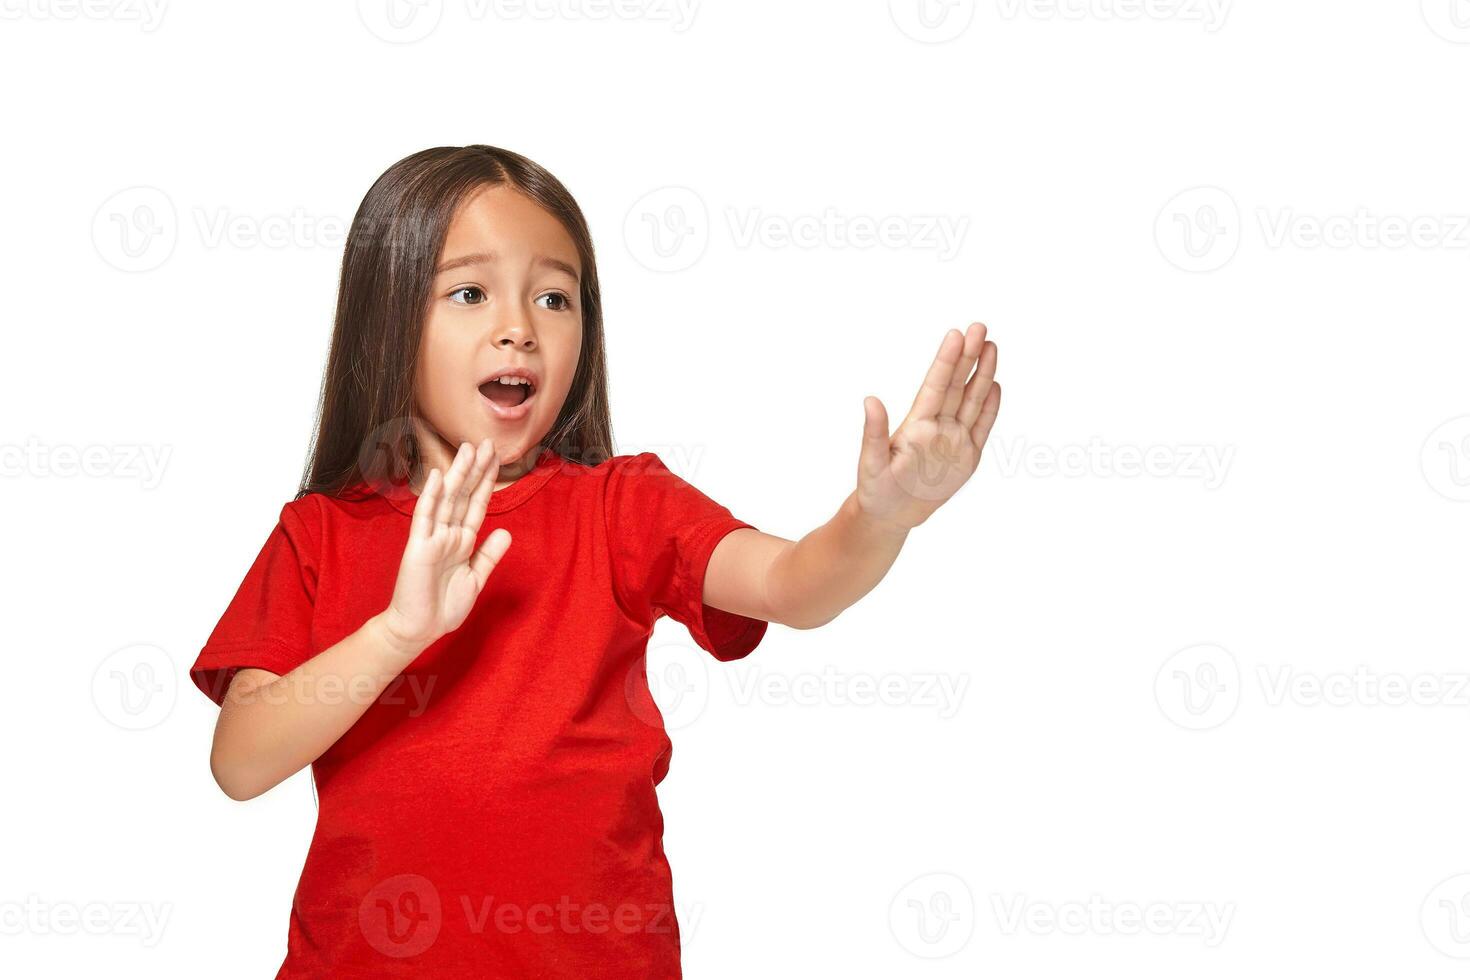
516 335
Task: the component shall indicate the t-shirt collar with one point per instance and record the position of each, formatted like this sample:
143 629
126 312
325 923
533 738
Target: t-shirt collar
403 499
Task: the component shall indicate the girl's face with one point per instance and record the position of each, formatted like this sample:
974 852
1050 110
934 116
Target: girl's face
505 302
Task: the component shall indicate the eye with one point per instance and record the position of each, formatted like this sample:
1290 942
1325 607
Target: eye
475 291
562 298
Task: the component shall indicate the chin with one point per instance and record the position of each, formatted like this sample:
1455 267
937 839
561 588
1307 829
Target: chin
511 453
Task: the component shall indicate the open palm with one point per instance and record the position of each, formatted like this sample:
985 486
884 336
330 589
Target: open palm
442 572
906 476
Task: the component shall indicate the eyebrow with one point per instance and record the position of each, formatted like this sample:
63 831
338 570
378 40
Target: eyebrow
479 258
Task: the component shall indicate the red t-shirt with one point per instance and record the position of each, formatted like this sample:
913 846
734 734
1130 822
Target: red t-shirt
493 813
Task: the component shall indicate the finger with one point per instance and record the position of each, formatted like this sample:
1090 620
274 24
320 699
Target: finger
974 345
481 498
453 480
979 387
876 447
488 555
989 409
478 459
423 509
931 393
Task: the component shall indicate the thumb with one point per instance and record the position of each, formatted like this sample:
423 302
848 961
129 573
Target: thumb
488 555
875 454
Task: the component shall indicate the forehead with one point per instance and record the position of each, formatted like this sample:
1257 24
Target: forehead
501 219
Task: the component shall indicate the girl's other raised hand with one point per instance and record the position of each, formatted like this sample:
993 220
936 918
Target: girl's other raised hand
905 477
442 572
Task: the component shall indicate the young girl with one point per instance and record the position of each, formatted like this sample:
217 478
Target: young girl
482 750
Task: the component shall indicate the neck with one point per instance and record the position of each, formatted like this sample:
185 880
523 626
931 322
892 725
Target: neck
436 453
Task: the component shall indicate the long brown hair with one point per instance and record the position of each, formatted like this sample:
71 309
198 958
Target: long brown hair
364 430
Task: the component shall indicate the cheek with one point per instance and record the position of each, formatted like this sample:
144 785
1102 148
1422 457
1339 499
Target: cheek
568 353
439 370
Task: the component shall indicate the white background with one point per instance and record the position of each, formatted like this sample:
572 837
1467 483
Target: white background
1196 611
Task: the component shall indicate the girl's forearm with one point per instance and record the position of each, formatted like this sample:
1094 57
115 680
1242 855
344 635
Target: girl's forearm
815 578
270 727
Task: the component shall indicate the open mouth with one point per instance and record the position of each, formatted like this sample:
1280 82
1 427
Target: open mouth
509 391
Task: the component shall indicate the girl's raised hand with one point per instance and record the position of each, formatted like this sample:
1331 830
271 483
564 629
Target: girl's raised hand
442 572
904 478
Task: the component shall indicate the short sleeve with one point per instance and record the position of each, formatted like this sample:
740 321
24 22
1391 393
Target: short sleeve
661 533
268 622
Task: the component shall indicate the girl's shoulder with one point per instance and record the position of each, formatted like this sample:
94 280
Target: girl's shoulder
355 502
633 463
611 467
626 473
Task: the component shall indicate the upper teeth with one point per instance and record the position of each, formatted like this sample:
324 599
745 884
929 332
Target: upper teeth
511 380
